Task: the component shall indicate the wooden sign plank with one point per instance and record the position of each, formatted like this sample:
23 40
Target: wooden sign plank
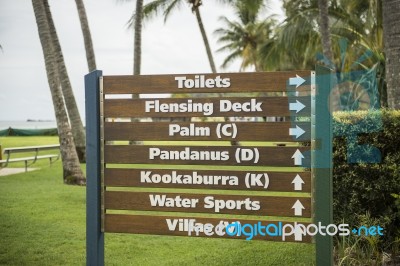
201 107
207 131
202 203
180 226
209 155
209 179
202 83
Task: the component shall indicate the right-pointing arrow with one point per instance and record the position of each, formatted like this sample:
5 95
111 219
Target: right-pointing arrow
297 81
298 157
297 106
298 182
298 208
297 131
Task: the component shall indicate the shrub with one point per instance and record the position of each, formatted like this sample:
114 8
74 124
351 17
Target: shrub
360 187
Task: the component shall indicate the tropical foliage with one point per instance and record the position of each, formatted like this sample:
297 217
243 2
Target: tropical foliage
166 7
241 39
356 36
355 30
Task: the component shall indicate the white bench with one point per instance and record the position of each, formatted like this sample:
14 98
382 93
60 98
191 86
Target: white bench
35 149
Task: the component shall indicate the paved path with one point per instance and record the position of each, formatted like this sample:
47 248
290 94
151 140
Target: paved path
13 171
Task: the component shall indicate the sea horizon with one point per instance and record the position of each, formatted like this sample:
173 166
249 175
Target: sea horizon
28 124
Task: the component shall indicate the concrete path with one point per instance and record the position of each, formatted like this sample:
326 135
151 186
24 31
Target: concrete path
13 171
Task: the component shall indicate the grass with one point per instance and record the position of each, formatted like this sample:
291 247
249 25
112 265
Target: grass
42 222
8 142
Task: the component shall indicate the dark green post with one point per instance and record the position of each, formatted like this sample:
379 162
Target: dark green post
321 130
94 234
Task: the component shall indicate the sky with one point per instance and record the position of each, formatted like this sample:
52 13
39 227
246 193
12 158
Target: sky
170 48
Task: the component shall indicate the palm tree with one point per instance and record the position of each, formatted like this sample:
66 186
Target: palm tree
243 38
72 108
323 7
137 43
296 40
357 43
137 50
391 20
87 37
167 6
135 22
360 24
72 173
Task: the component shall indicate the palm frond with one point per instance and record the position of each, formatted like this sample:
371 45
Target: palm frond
176 4
230 59
152 9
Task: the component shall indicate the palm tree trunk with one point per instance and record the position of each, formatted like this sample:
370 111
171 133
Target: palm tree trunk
72 173
324 29
209 53
137 53
256 62
73 113
391 33
205 40
87 37
137 42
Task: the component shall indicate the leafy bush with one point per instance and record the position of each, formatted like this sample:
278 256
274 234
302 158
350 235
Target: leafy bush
360 185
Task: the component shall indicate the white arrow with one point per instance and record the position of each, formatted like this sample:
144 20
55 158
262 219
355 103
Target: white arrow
297 106
298 233
297 81
297 131
298 156
298 183
298 208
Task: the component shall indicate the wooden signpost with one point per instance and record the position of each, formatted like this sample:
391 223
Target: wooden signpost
200 148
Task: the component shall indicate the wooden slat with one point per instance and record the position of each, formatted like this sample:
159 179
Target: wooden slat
157 225
201 203
239 82
271 106
206 131
235 180
268 156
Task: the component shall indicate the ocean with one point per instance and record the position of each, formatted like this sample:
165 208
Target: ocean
27 124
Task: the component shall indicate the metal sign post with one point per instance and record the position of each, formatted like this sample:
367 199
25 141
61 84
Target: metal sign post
321 164
94 233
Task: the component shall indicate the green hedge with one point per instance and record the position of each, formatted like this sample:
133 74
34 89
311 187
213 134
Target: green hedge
29 132
361 188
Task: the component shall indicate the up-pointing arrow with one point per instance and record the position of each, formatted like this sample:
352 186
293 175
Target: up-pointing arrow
298 157
297 81
298 208
297 131
298 233
298 182
297 106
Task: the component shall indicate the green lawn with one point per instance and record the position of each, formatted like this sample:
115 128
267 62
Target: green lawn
42 222
11 142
